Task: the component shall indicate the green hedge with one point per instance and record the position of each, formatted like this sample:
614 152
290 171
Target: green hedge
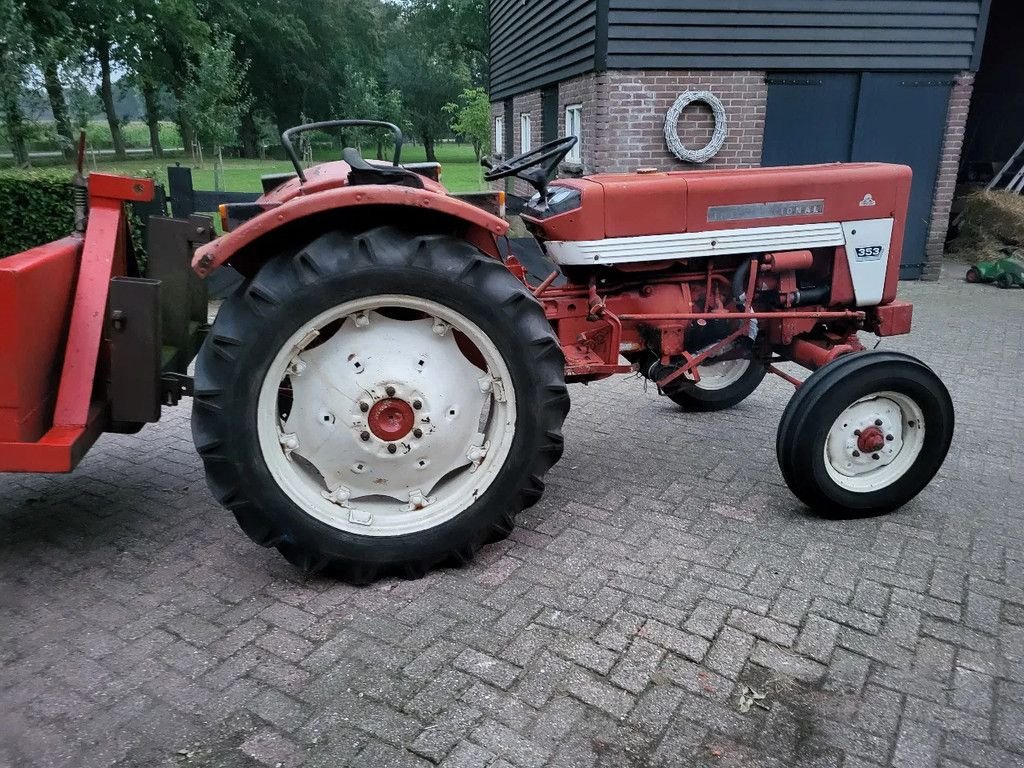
36 207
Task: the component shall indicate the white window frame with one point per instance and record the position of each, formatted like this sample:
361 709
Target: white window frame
574 127
525 132
499 136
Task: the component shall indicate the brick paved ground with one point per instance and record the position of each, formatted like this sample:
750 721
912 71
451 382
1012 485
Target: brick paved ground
666 569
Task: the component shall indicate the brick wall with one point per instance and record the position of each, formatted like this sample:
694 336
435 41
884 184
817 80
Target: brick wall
529 103
949 165
584 90
633 105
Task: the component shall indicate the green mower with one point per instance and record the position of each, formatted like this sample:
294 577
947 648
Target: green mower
1006 273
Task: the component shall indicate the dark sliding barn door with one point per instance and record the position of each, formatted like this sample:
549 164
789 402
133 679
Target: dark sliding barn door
843 117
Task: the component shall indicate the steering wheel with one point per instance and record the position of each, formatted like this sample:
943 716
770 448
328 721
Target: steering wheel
548 156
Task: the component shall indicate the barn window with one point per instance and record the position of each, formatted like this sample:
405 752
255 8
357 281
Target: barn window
499 136
574 127
525 135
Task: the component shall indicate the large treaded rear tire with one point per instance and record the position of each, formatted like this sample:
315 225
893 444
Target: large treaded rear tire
811 416
255 323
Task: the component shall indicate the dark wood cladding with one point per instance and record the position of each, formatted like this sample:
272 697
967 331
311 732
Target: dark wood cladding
794 34
538 42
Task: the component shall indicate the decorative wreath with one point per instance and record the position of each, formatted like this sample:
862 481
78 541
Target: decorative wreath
675 145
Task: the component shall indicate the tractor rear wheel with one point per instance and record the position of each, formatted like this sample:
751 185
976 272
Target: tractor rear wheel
865 434
722 385
379 403
1005 280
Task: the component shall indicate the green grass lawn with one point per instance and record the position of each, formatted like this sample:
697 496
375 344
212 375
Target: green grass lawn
460 171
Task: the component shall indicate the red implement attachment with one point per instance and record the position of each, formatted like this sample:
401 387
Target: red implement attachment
51 325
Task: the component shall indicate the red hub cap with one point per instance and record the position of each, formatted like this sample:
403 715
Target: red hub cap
870 440
391 419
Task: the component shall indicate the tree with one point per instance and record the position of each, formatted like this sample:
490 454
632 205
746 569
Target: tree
215 98
458 28
472 119
429 81
15 56
104 29
164 37
365 98
54 43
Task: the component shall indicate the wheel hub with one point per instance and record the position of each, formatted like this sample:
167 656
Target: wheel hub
871 440
391 419
386 425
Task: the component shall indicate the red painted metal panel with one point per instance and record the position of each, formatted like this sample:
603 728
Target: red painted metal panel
59 450
102 244
35 287
120 188
35 304
212 255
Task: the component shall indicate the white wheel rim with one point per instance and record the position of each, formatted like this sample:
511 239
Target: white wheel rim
874 442
721 374
337 447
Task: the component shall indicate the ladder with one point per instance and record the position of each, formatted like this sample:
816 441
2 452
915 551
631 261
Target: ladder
1016 183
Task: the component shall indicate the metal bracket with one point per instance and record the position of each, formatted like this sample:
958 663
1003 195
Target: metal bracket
174 386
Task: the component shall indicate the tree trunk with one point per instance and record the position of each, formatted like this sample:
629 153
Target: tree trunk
249 135
59 107
185 129
149 97
14 123
428 146
380 149
107 96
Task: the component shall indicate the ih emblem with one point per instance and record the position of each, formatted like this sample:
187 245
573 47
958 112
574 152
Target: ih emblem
868 201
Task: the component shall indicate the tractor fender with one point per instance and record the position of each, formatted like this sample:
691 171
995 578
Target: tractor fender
481 227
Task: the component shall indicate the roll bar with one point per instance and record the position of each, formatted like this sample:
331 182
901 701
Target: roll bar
287 136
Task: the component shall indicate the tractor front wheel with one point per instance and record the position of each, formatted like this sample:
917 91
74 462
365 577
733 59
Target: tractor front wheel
722 385
865 434
379 403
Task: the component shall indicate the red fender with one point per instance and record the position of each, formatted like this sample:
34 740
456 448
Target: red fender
212 255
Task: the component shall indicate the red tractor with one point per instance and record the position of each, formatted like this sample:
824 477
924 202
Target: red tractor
387 388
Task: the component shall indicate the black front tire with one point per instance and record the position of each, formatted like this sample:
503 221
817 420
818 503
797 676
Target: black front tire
288 292
827 393
691 396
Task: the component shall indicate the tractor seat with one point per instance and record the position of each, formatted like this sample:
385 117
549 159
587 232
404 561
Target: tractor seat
370 173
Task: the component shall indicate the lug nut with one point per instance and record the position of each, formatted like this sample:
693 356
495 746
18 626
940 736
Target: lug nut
417 432
365 436
390 391
392 447
856 454
364 406
889 438
417 404
874 456
878 422
856 433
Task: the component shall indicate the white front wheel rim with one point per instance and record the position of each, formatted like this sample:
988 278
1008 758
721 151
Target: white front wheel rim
722 374
373 419
874 442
